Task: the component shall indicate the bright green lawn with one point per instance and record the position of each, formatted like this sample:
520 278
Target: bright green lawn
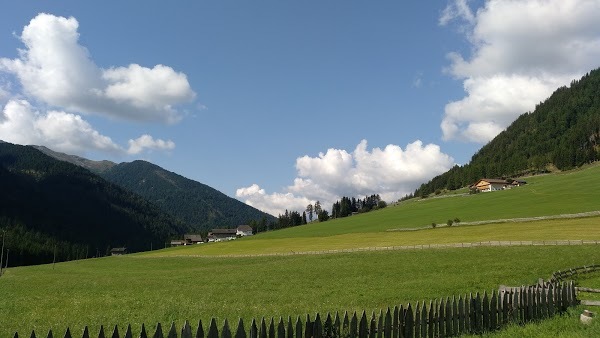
120 290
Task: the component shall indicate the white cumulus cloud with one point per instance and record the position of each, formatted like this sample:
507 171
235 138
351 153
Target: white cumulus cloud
147 142
522 51
455 10
275 203
391 172
54 68
21 123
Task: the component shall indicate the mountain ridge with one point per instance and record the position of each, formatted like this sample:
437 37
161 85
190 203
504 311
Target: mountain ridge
93 166
198 205
52 209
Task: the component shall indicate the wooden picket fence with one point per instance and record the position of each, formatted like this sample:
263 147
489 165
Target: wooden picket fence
440 318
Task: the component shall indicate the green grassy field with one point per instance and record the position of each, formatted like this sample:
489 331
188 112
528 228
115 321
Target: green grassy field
175 284
563 229
121 290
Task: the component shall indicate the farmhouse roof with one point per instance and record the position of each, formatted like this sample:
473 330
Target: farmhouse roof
192 237
244 228
118 250
493 180
223 231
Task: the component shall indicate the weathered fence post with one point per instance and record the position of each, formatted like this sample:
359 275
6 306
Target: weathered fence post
449 320
494 311
213 331
172 332
240 332
418 321
271 328
372 326
387 324
454 317
441 314
253 329
290 328
143 334
318 327
200 330
298 333
486 312
363 331
281 329
308 327
409 327
337 325
86 332
431 324
396 323
380 325
354 326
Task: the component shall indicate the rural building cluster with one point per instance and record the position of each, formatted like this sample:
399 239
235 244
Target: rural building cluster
494 184
215 235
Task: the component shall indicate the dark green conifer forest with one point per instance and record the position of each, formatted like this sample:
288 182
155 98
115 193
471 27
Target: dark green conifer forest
562 132
51 209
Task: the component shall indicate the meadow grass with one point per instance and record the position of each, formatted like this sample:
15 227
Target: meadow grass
122 290
560 229
588 280
563 326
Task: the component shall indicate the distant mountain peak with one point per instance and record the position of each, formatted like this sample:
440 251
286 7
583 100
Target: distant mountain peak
199 205
93 166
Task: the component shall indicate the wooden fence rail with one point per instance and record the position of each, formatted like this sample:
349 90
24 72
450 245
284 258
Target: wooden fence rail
561 276
441 318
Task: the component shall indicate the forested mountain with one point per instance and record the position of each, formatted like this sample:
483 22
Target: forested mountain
198 205
49 206
93 166
563 131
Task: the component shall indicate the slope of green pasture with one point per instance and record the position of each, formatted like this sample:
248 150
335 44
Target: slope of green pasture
133 289
568 192
588 280
567 325
560 229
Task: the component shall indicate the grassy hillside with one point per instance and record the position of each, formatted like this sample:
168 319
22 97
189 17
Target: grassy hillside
543 195
553 230
174 285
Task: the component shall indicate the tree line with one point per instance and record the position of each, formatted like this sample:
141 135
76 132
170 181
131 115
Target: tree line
348 206
341 208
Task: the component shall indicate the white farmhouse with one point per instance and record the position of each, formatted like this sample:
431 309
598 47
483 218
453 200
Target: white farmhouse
244 230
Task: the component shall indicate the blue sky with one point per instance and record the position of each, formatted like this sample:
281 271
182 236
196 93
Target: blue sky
280 104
